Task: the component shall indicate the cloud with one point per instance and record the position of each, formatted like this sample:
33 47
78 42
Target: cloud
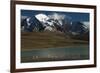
24 17
57 16
61 18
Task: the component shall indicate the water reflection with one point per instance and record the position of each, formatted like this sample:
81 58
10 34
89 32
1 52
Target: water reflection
55 54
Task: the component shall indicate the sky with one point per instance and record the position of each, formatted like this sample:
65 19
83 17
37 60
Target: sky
74 16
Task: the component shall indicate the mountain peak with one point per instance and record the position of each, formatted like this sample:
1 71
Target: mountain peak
42 17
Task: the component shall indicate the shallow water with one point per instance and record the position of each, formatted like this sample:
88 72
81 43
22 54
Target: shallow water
55 54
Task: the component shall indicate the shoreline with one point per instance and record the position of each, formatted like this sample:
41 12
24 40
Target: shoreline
85 45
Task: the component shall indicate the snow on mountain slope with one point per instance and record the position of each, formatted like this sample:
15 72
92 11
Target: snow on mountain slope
42 17
47 21
79 28
56 22
57 17
86 24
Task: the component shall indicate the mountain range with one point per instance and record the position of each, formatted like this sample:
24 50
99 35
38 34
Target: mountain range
62 23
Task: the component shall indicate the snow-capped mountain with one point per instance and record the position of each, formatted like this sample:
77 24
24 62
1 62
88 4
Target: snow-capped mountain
31 24
42 17
79 28
54 22
46 21
86 25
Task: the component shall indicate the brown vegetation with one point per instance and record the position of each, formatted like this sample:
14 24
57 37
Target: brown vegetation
32 40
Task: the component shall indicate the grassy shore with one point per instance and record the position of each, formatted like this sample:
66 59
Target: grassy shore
32 40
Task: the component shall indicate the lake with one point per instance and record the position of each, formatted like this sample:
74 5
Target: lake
55 54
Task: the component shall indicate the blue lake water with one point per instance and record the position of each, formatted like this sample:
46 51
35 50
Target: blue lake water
55 54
